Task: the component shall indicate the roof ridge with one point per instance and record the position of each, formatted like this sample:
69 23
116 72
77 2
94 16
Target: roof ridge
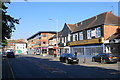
92 17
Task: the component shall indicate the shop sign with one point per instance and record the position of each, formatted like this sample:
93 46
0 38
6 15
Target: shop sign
85 42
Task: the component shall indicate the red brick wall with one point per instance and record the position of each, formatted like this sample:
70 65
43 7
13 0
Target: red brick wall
109 30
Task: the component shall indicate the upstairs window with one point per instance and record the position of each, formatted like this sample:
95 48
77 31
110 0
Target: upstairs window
75 37
44 35
62 39
81 36
44 42
88 34
98 32
65 40
69 37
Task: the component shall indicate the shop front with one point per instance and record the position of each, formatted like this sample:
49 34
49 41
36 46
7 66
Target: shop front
87 48
44 51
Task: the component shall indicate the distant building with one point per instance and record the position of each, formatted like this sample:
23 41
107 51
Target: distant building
39 42
18 46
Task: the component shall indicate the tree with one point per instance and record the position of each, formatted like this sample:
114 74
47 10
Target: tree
8 23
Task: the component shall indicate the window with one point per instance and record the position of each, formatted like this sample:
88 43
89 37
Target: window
44 42
62 39
65 40
98 32
69 37
44 35
93 33
88 34
75 37
81 36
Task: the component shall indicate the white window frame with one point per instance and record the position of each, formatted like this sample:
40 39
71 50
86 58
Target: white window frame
89 34
98 32
69 37
81 35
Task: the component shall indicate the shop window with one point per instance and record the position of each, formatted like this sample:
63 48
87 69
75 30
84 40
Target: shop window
80 51
44 51
94 50
44 42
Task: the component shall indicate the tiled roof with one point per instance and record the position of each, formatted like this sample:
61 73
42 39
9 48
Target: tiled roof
55 35
104 18
71 26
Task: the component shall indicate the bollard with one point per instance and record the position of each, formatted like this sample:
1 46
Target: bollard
102 60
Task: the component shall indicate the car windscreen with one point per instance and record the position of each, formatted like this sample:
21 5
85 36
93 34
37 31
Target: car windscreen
10 53
71 55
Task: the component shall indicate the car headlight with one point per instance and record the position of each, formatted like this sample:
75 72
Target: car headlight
69 58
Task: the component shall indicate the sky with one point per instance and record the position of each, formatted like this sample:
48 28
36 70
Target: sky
35 15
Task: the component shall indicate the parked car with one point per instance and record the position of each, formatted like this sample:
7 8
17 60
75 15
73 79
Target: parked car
68 58
105 58
37 53
4 54
10 55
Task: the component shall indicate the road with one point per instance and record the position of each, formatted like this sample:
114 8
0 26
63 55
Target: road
31 67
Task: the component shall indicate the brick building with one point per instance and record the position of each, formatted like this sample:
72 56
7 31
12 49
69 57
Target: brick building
39 42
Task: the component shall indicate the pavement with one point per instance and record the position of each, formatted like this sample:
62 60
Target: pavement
87 62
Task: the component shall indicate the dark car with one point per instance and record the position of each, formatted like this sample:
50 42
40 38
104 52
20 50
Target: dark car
68 58
4 54
105 58
10 55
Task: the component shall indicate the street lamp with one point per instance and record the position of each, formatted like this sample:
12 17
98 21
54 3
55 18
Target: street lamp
56 21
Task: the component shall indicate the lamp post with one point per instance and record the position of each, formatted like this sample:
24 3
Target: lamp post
56 21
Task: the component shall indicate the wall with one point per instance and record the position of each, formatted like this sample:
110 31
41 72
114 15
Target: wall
109 30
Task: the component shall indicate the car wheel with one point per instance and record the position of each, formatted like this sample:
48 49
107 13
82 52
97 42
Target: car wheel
104 61
67 61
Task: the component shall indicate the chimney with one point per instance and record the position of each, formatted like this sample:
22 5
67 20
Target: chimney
110 12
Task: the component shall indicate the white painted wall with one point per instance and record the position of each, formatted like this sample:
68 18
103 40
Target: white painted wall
22 47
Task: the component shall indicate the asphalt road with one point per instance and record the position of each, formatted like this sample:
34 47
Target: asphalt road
28 67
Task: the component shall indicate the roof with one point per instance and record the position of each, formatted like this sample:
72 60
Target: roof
71 26
106 18
55 35
21 42
54 32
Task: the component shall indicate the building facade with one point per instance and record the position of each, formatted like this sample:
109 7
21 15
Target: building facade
39 42
18 46
65 38
90 36
21 48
